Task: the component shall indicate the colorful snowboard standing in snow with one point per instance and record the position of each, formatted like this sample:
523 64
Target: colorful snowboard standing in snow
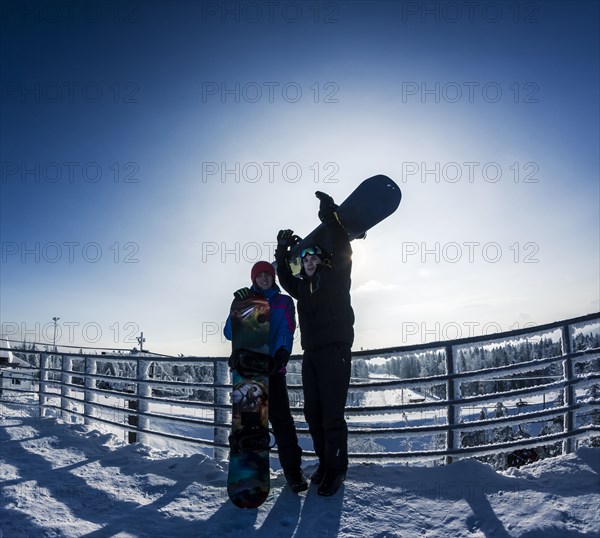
371 202
248 480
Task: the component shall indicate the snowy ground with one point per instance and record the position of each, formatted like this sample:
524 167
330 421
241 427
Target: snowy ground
70 480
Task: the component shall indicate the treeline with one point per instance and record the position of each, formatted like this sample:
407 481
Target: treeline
479 358
409 366
471 358
581 342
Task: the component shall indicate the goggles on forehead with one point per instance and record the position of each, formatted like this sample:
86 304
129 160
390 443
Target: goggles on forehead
310 251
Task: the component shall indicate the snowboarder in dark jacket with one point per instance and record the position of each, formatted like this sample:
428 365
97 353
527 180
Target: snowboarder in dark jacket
326 325
281 335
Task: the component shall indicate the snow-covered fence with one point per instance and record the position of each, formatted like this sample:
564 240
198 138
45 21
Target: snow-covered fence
524 393
507 393
137 393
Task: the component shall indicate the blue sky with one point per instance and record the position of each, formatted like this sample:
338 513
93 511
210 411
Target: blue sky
151 151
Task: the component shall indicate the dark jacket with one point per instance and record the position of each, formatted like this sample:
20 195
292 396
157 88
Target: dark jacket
324 307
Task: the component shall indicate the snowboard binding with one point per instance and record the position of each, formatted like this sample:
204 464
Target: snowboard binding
249 440
251 363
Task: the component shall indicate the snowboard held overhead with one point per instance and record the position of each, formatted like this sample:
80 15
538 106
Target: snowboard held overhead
375 199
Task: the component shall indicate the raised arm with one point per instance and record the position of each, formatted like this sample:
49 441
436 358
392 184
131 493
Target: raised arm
288 281
328 214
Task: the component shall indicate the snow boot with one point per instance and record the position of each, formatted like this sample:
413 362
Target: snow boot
331 483
296 480
317 476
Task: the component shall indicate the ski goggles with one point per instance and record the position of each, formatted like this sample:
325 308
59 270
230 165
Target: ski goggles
310 251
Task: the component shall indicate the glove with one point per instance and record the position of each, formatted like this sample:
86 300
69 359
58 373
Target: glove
286 239
326 200
283 237
242 293
327 208
282 356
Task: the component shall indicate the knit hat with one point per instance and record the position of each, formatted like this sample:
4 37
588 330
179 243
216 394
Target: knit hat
261 267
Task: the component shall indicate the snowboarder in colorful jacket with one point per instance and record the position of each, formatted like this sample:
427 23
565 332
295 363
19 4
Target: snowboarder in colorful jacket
281 336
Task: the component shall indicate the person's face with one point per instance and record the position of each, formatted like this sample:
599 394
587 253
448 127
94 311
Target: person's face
310 262
264 280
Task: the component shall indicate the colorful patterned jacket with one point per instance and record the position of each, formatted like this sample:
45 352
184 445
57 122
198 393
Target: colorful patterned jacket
283 319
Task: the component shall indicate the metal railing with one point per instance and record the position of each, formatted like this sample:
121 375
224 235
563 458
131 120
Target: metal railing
453 413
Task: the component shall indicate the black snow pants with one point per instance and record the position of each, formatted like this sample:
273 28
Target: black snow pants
325 379
284 430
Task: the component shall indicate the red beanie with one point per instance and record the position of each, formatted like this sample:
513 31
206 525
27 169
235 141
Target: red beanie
261 267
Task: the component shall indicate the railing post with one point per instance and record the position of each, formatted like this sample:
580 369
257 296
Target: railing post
141 406
132 420
43 382
569 391
221 397
66 366
90 385
452 437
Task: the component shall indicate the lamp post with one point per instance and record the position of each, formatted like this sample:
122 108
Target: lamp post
55 320
141 341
